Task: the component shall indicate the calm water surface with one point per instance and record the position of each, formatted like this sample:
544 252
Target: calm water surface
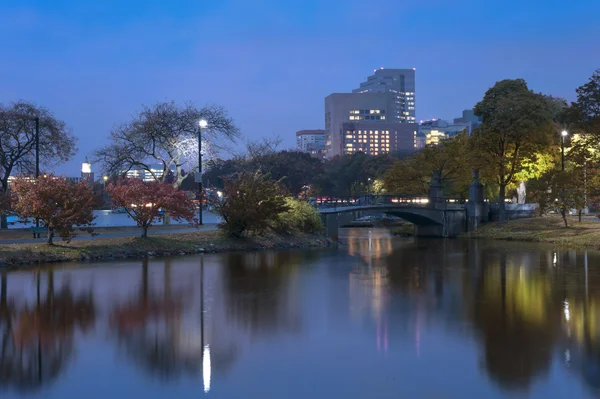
380 317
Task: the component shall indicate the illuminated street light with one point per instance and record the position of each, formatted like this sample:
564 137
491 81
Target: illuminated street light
563 134
202 123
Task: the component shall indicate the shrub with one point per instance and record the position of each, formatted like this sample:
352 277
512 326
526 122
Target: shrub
251 203
300 216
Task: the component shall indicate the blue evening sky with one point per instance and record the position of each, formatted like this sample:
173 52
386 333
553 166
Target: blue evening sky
272 62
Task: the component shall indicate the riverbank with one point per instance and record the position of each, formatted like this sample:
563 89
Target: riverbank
548 229
104 249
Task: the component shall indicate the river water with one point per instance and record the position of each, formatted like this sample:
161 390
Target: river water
379 317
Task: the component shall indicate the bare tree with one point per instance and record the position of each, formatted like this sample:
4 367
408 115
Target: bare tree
166 134
17 141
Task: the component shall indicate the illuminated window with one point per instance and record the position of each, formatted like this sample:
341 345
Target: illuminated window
349 136
382 117
351 117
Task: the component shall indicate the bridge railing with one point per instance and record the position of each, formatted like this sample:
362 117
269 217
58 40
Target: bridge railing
382 199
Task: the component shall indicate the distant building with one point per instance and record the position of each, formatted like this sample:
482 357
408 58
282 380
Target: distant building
435 130
312 142
86 172
378 138
342 108
399 82
155 173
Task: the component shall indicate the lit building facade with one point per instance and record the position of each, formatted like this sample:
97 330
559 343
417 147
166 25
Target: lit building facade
341 108
401 84
312 142
378 138
155 173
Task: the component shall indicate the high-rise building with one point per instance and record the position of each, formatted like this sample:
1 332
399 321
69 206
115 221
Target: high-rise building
312 142
341 108
378 138
399 82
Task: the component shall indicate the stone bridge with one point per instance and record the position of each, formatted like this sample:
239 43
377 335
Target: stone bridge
433 216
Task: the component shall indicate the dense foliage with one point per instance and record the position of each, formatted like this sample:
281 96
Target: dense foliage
300 216
251 202
57 203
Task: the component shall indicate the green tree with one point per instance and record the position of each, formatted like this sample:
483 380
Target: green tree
517 124
448 160
251 203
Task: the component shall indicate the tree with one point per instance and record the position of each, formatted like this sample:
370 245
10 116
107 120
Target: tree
58 204
585 112
166 134
251 202
448 160
344 176
294 169
17 141
516 124
143 201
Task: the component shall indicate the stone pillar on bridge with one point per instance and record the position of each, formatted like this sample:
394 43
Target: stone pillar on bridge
436 191
477 208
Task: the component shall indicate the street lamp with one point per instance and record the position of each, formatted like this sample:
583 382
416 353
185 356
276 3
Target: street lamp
202 123
563 134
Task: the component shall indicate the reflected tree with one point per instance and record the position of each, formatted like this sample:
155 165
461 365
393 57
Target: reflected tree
149 326
258 291
37 339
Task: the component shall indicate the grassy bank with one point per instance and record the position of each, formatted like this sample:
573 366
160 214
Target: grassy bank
548 229
13 255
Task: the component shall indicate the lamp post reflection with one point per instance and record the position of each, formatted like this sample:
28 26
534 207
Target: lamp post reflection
206 350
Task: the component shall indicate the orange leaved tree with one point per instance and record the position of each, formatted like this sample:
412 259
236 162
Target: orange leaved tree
59 204
143 201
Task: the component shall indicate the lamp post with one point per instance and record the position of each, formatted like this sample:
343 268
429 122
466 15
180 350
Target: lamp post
37 156
201 124
563 134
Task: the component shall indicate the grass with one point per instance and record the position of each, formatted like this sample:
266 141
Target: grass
547 229
12 255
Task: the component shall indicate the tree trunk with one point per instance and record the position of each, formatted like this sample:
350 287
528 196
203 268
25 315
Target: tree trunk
144 231
563 213
50 236
579 214
3 221
502 204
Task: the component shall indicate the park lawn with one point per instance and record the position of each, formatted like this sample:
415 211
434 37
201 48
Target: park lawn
13 255
548 229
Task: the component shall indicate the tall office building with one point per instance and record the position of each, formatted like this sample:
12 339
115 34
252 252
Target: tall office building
379 138
399 82
341 108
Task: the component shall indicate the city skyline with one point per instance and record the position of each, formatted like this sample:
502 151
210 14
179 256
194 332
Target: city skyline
95 65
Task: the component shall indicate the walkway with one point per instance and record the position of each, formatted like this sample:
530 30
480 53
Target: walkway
132 233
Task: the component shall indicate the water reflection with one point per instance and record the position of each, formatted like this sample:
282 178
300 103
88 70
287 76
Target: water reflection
399 317
38 335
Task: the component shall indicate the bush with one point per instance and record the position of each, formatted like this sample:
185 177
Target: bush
300 216
251 203
405 230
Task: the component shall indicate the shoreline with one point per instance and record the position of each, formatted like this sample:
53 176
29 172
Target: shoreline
14 256
545 229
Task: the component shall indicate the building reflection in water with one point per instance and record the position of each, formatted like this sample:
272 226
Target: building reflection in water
368 281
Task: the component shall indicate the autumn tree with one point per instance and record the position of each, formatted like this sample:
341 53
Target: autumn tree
166 134
448 160
18 139
517 123
59 204
251 203
143 201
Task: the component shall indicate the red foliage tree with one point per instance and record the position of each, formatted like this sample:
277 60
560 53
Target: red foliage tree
144 200
60 205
